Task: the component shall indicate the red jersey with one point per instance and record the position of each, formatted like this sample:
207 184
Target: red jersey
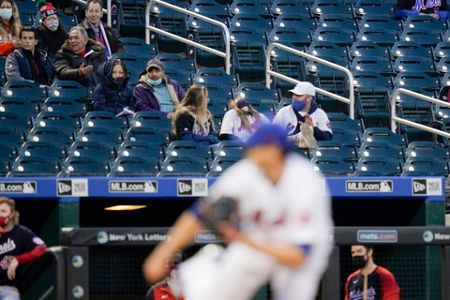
378 285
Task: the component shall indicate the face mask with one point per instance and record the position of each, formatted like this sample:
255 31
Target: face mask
154 82
359 261
52 25
298 105
119 81
4 221
6 13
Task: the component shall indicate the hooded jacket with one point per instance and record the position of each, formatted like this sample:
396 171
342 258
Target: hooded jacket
51 41
113 39
110 96
68 62
18 66
145 96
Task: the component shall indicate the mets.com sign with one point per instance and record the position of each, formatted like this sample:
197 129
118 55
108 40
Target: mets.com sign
377 236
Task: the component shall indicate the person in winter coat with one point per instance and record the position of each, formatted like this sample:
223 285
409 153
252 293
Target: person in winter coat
437 9
113 93
51 33
10 27
79 57
29 63
157 92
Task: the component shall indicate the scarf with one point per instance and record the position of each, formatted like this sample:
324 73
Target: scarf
102 38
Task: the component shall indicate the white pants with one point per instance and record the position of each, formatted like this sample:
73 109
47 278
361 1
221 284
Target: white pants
240 271
9 293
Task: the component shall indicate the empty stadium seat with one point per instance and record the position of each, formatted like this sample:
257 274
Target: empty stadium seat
62 121
148 135
42 149
335 150
377 166
367 48
333 166
150 119
138 47
133 166
25 89
426 149
103 119
253 91
188 149
90 149
220 164
83 166
139 149
379 149
33 166
99 135
425 166
185 166
70 89
51 135
383 135
64 105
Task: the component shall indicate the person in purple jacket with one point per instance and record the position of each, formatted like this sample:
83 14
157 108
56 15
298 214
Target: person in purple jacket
438 9
156 92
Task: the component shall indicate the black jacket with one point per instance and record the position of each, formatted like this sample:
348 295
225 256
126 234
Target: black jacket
51 41
67 63
113 39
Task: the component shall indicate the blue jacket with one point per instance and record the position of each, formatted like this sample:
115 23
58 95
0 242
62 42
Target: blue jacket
110 96
18 66
406 8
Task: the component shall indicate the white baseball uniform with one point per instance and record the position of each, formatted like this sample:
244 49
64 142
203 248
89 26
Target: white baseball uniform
286 118
295 211
232 124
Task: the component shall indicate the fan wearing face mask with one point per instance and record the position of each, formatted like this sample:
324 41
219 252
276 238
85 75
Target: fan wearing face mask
19 246
10 27
369 281
52 34
241 120
303 120
112 93
156 91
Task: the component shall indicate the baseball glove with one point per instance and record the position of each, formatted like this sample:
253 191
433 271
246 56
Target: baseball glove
222 210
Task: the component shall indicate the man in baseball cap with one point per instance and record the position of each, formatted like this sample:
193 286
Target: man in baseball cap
156 91
303 120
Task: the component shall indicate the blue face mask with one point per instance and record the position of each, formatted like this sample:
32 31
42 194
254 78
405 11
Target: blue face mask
298 105
154 82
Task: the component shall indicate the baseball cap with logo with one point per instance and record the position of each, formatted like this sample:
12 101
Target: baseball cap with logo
269 134
304 88
154 63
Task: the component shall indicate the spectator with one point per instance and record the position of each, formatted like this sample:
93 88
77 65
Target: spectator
29 63
436 9
192 120
103 34
155 91
303 120
169 288
113 93
19 247
240 121
51 33
78 57
10 27
369 281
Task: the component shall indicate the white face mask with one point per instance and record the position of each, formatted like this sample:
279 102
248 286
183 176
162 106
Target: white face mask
6 13
154 82
52 25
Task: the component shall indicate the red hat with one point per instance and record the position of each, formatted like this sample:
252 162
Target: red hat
47 10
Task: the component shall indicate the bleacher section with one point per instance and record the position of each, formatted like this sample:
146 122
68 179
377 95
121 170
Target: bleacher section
55 126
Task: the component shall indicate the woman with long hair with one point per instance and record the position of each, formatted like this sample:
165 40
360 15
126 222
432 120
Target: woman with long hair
10 27
241 120
192 119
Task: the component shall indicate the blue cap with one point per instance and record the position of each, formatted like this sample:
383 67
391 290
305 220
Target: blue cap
269 134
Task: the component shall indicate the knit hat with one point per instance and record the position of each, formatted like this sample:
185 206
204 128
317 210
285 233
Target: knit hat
45 9
269 134
154 63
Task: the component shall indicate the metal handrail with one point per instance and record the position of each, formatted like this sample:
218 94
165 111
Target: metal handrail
107 10
395 119
350 100
149 28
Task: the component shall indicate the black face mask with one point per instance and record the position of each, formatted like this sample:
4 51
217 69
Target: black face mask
359 261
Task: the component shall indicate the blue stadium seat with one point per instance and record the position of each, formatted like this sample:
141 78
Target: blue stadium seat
185 166
83 166
345 137
5 166
27 166
15 121
99 135
330 7
214 76
283 7
150 119
373 106
377 166
443 65
372 64
333 166
380 22
417 115
341 120
234 149
367 48
70 89
383 135
50 135
64 105
346 22
379 36
336 35
103 119
425 166
220 164
249 60
408 49
19 105
417 81
250 20
25 89
187 149
140 150
372 8
335 150
290 36
256 7
291 66
138 47
255 91
211 9
133 166
423 37
371 81
425 23
442 50
324 49
414 64
172 22
294 19
380 149
182 77
90 149
42 149
147 135
172 61
426 149
62 121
